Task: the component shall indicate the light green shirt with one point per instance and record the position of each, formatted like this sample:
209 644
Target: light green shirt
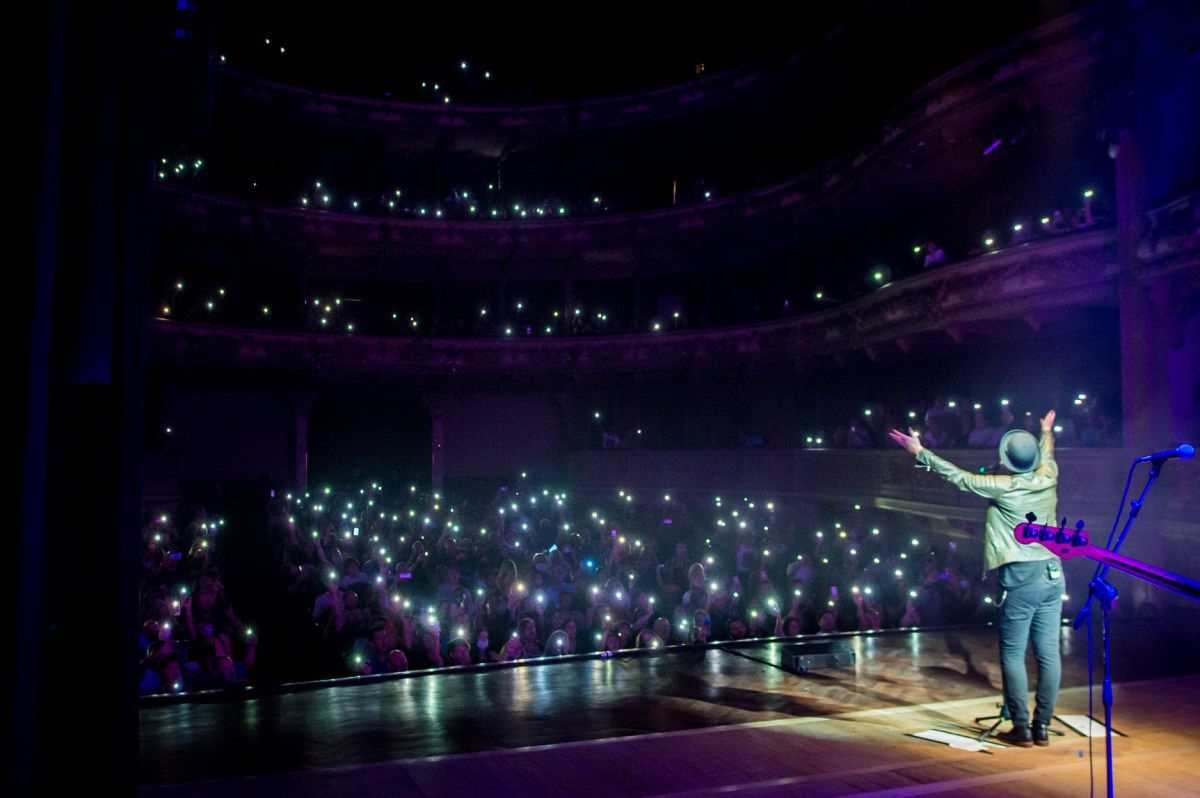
1010 498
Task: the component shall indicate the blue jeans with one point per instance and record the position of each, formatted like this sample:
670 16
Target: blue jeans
1031 610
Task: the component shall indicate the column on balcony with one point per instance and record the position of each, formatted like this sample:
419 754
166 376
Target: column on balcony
301 403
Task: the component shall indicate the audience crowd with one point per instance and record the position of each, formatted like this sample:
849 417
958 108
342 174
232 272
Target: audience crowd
369 581
949 424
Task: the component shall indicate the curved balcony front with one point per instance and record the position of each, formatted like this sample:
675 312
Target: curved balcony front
1048 282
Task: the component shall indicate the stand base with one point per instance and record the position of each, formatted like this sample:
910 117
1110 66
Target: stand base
1003 716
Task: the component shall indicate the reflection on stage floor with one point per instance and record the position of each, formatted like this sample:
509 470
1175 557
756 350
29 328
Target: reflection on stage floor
442 722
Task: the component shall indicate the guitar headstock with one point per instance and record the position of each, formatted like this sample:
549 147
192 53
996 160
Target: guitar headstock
1061 540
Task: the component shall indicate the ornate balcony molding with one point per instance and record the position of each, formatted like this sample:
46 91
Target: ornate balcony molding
604 247
1031 283
502 121
619 245
1068 37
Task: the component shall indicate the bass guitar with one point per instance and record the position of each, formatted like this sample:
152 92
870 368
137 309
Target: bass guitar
1068 543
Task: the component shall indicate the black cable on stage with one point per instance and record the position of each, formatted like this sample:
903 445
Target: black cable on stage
756 659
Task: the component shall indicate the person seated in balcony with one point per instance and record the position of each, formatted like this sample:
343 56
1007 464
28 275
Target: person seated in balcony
952 422
860 435
1089 214
1007 421
984 433
1057 224
1021 234
934 255
936 409
935 434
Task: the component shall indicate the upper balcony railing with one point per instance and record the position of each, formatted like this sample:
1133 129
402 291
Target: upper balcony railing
1064 40
1029 283
503 120
1046 62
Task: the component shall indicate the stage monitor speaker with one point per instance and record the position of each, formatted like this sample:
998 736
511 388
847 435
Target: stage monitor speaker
817 655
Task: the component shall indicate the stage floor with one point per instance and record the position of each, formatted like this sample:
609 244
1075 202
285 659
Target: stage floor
678 724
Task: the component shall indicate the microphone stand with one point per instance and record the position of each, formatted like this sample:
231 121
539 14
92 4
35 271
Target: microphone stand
1106 594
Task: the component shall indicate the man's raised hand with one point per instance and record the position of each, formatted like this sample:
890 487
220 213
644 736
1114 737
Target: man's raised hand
1048 422
910 442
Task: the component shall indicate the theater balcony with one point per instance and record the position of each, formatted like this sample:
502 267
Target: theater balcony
1050 283
740 130
1060 297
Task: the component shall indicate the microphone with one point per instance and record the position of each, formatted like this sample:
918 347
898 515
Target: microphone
1184 451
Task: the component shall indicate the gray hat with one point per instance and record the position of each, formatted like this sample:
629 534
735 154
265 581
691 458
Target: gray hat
1019 451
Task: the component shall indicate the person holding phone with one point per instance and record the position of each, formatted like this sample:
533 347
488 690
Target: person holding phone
1031 576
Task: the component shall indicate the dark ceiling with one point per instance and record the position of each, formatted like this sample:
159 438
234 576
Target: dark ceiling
888 48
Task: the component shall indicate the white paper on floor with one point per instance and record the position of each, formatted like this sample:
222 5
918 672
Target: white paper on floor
1082 724
959 741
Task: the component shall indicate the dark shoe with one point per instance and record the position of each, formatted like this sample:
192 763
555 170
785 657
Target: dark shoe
1041 735
1017 735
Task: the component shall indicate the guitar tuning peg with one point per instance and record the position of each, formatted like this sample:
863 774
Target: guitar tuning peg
1031 517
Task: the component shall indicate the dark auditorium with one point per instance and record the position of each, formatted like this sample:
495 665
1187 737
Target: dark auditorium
590 401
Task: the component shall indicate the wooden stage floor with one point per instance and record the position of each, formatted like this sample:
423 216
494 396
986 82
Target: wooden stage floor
676 724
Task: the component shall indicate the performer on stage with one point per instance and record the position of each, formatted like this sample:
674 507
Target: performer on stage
1030 576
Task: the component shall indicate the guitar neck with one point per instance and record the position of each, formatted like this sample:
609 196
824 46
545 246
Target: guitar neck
1180 585
1068 543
